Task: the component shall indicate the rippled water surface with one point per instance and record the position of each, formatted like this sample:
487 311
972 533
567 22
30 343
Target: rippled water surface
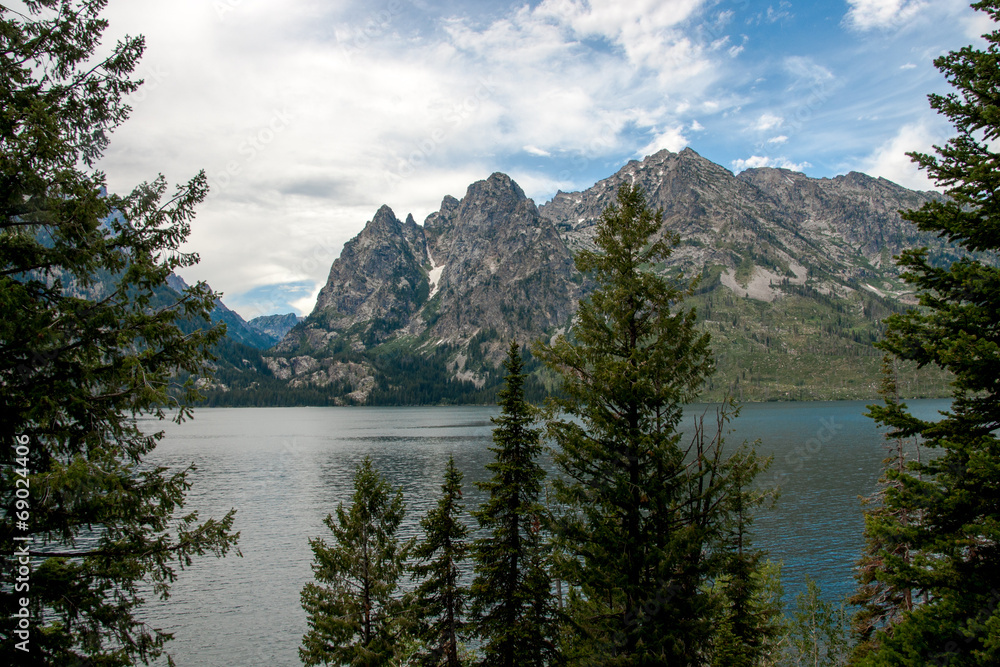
285 469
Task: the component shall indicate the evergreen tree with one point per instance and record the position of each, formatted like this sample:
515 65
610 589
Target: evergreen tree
645 516
89 340
750 629
753 629
440 597
818 631
955 550
879 604
512 607
356 613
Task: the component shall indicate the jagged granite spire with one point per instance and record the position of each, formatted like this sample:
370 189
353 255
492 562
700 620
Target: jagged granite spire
481 271
378 279
504 268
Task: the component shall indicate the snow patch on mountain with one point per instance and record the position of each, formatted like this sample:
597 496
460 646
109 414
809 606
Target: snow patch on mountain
435 278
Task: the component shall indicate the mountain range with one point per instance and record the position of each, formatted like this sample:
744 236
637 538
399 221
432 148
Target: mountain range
796 275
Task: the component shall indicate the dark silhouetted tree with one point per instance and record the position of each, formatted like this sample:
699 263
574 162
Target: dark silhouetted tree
645 517
90 339
440 598
513 611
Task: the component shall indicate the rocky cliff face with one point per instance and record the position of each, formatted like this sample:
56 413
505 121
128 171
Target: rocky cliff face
497 267
849 214
492 266
481 271
764 226
378 282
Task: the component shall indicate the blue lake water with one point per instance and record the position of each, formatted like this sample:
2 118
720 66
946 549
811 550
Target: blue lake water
285 469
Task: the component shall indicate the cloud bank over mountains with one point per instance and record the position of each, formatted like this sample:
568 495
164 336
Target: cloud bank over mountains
307 115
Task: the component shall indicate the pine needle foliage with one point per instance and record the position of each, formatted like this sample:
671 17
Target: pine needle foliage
954 554
879 604
645 516
356 612
91 340
513 613
440 598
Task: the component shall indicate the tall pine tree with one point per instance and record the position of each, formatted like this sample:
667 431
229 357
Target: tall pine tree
513 610
750 629
90 339
955 549
356 612
440 598
879 604
645 515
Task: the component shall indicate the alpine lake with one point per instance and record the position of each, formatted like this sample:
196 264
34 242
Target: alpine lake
286 469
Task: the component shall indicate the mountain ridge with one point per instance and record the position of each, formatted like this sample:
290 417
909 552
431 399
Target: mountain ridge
790 266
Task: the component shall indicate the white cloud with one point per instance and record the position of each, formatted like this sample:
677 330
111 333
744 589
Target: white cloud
864 15
671 138
767 121
806 72
561 95
305 305
756 161
644 29
751 162
308 115
890 161
908 66
869 14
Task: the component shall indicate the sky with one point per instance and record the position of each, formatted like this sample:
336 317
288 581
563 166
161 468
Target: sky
308 115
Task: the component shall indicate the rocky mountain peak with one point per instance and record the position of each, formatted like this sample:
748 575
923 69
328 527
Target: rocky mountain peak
275 326
498 185
377 276
384 222
491 210
492 201
488 249
463 279
440 222
857 179
694 194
